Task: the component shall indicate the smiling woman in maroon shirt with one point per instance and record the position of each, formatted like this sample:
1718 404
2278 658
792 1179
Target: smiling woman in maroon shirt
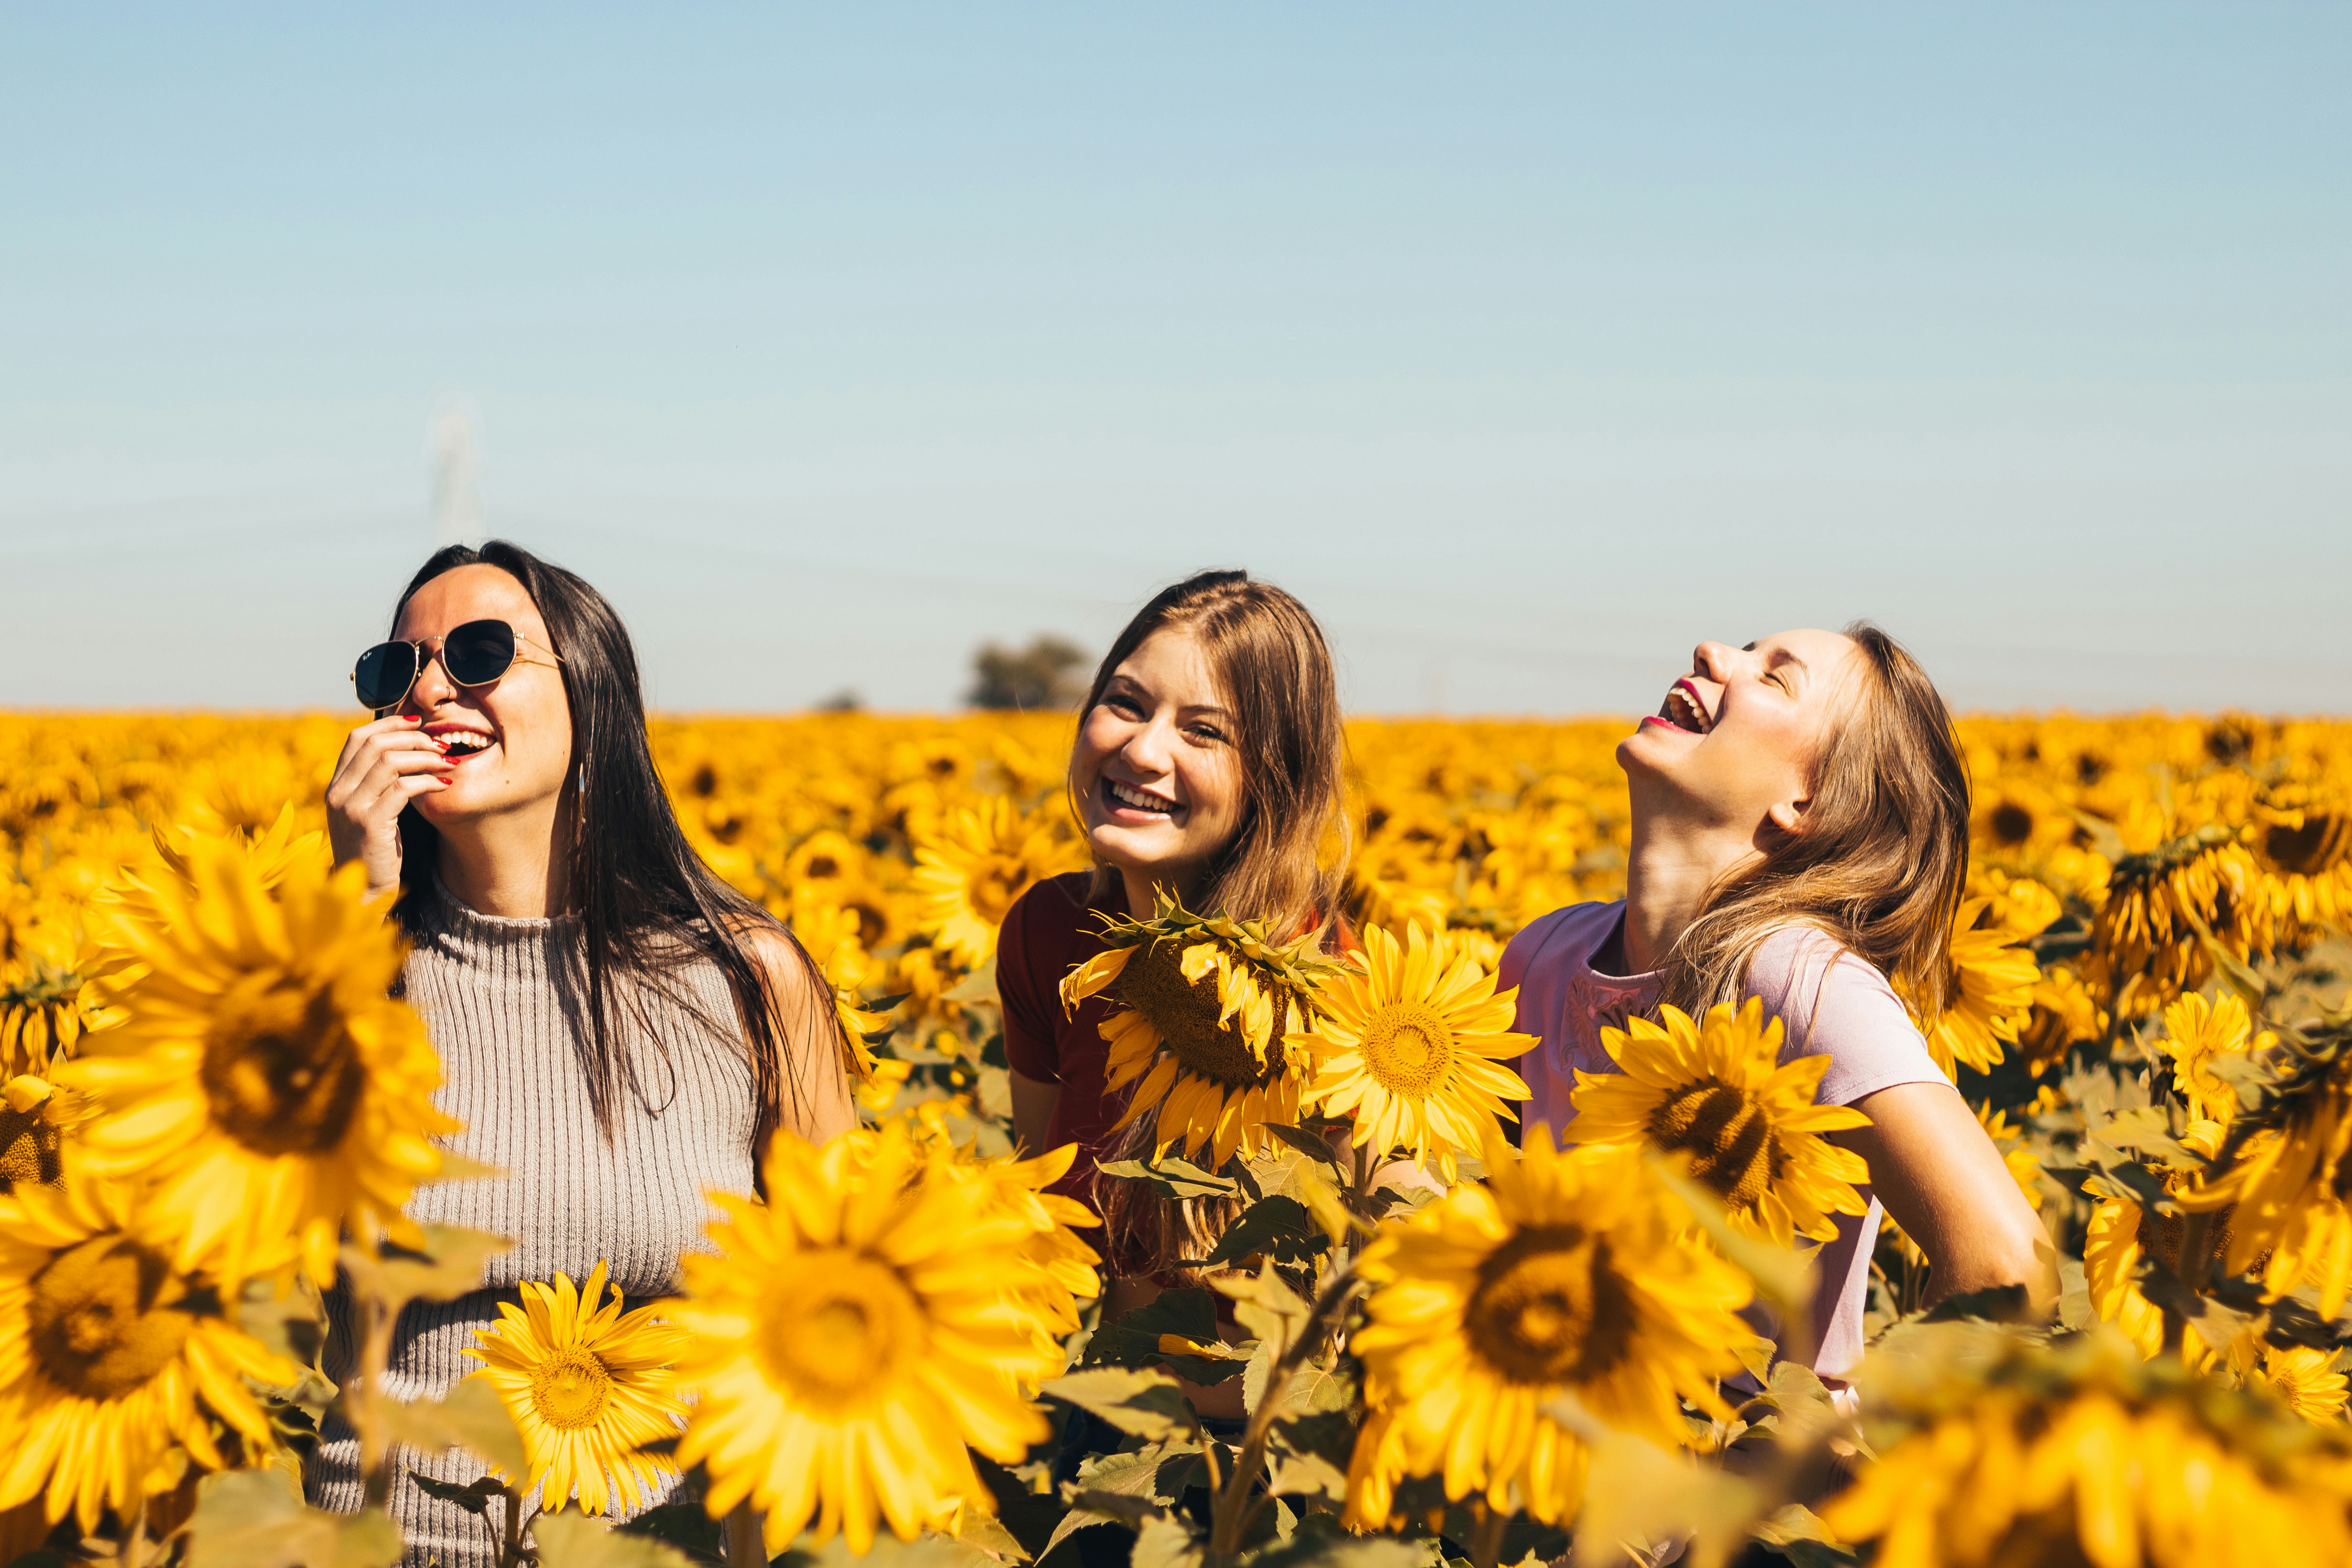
1208 763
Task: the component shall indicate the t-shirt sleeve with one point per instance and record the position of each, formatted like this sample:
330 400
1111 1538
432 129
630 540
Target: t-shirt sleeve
1032 994
1836 1004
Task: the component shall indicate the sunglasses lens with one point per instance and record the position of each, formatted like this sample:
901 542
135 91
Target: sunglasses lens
479 652
384 673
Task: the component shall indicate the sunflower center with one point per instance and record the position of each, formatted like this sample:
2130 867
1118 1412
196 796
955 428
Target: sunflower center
570 1388
994 882
2011 824
1408 1048
99 1321
2323 839
1728 1136
1185 1014
283 1073
28 1146
851 1329
1549 1308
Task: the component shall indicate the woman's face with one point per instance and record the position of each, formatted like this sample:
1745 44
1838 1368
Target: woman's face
1157 779
512 738
1735 741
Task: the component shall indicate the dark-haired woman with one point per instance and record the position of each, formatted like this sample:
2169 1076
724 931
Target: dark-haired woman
1209 765
618 1030
1800 834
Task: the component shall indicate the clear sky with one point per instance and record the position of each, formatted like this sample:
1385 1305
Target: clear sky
1529 344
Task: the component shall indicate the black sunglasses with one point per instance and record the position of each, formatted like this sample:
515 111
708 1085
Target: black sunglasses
473 655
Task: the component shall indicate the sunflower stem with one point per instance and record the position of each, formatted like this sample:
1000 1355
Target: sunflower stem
511 1548
365 1412
1486 1536
1233 1513
130 1550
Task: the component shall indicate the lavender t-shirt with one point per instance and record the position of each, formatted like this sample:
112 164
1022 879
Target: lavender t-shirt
1829 1003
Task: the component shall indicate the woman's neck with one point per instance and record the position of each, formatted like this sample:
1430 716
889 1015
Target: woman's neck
506 866
1669 870
1143 888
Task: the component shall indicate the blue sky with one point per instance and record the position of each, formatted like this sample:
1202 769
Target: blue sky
1529 344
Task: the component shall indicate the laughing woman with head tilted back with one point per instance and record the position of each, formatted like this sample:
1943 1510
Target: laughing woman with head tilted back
619 1031
1799 841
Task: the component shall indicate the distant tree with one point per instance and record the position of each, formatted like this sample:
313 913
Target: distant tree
846 700
1049 673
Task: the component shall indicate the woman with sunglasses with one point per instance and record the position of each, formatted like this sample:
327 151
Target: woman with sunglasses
619 1031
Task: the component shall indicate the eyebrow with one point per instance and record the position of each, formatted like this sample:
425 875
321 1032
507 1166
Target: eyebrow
1197 711
1782 656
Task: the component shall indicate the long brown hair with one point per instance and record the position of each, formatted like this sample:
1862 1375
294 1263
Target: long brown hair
1882 864
1269 658
1274 670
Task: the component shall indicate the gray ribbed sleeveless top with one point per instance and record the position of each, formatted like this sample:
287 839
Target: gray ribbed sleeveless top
506 1011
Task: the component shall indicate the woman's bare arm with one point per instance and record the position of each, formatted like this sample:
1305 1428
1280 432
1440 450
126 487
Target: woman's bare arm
816 1104
1032 1112
1939 1175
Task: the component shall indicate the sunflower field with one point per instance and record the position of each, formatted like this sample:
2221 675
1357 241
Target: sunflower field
1449 1348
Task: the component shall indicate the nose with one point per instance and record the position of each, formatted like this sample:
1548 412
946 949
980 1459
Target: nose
433 682
1147 750
1714 660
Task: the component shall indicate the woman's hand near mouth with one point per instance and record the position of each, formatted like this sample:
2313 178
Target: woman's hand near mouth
384 764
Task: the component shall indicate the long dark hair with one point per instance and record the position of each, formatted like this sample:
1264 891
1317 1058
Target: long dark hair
642 895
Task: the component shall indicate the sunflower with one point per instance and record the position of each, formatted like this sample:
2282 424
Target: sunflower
2302 838
1714 1093
1988 993
2307 1379
2122 1234
588 1387
1056 1269
2197 1031
1992 1450
1411 1044
829 935
2281 1198
265 1080
1566 1273
853 1337
36 1117
112 1354
52 995
2064 1011
982 861
1207 1007
2146 945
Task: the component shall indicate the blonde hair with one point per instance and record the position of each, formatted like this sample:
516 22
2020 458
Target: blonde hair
1882 864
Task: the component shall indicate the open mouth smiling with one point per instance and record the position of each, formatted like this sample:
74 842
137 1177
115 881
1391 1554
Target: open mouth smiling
1126 797
1683 710
458 743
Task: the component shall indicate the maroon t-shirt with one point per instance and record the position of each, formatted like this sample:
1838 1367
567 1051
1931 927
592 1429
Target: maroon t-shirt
1050 930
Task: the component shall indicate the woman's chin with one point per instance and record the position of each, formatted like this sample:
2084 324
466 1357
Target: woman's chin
1146 849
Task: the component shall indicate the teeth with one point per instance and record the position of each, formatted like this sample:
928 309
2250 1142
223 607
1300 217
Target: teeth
464 740
1685 711
1136 798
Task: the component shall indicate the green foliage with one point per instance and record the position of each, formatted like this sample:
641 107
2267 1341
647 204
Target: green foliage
256 1518
1048 673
